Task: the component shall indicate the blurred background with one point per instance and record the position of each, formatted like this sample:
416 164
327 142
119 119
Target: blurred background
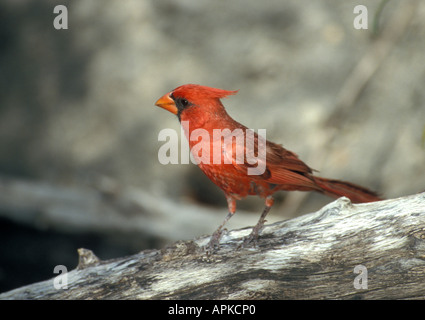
79 130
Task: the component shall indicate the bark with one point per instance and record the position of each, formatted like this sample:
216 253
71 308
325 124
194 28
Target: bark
343 251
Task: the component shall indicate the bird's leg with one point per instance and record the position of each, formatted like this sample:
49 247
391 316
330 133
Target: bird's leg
253 236
215 237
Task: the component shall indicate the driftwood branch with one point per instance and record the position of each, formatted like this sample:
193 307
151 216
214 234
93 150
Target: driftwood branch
343 251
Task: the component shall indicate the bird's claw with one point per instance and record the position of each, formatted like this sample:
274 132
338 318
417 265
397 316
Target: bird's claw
214 243
250 240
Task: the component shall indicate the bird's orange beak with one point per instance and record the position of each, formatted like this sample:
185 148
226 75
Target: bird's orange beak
167 103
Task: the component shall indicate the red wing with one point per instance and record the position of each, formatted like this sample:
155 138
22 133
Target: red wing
270 161
280 157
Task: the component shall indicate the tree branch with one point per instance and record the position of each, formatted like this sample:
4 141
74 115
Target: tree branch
310 257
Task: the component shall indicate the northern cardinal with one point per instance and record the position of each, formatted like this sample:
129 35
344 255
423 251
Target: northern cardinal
199 108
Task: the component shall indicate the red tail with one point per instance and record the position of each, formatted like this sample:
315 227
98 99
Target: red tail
355 193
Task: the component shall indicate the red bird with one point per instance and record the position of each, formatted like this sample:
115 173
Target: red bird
200 110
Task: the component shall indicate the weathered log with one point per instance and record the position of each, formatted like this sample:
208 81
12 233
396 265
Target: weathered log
343 251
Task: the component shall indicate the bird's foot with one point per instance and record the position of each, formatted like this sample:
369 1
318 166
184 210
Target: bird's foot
252 238
214 243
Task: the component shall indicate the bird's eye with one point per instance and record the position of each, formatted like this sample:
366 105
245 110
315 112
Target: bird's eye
184 102
181 103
